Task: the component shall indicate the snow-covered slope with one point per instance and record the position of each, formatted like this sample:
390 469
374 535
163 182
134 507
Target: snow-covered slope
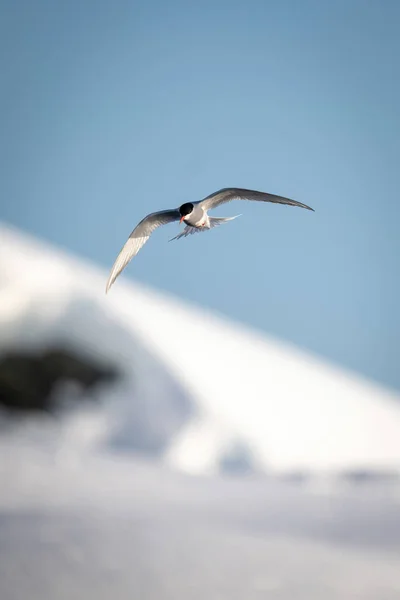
292 410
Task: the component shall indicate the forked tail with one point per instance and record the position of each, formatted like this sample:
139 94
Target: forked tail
214 222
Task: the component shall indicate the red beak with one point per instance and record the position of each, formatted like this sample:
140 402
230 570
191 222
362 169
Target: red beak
181 219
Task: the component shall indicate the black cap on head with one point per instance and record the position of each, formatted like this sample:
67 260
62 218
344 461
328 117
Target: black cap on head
186 209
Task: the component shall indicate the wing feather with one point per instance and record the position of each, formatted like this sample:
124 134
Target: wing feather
138 238
228 194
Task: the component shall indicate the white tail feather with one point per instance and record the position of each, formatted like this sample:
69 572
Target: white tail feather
214 222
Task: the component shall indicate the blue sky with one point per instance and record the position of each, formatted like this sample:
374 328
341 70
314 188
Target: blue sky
110 110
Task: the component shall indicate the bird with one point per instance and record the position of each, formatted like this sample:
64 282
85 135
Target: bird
196 218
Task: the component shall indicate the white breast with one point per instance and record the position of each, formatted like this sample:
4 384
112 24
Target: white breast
198 218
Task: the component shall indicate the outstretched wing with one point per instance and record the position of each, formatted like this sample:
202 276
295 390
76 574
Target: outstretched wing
138 238
228 194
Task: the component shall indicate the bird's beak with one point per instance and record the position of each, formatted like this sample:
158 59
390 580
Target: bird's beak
181 219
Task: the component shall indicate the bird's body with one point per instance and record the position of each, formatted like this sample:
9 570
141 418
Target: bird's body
196 218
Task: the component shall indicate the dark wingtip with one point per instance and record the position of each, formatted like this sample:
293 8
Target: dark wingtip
300 205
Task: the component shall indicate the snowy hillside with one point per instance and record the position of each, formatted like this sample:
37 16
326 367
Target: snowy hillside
195 385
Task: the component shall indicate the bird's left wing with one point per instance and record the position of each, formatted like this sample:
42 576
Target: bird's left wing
138 238
228 194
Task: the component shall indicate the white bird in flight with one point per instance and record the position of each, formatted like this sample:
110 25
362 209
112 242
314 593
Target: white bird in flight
194 215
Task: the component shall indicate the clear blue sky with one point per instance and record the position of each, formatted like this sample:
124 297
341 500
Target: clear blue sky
110 110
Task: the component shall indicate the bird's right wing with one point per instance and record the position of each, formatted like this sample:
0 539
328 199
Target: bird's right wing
138 238
228 194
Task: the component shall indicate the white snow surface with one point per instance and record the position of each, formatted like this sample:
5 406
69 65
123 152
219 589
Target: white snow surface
294 410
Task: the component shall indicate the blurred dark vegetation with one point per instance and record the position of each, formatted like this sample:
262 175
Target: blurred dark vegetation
29 380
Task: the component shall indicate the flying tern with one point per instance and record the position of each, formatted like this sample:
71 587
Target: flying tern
196 218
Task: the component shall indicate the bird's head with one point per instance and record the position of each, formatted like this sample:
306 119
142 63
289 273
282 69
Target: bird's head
185 210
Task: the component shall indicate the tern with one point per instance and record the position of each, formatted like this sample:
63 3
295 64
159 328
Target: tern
196 218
